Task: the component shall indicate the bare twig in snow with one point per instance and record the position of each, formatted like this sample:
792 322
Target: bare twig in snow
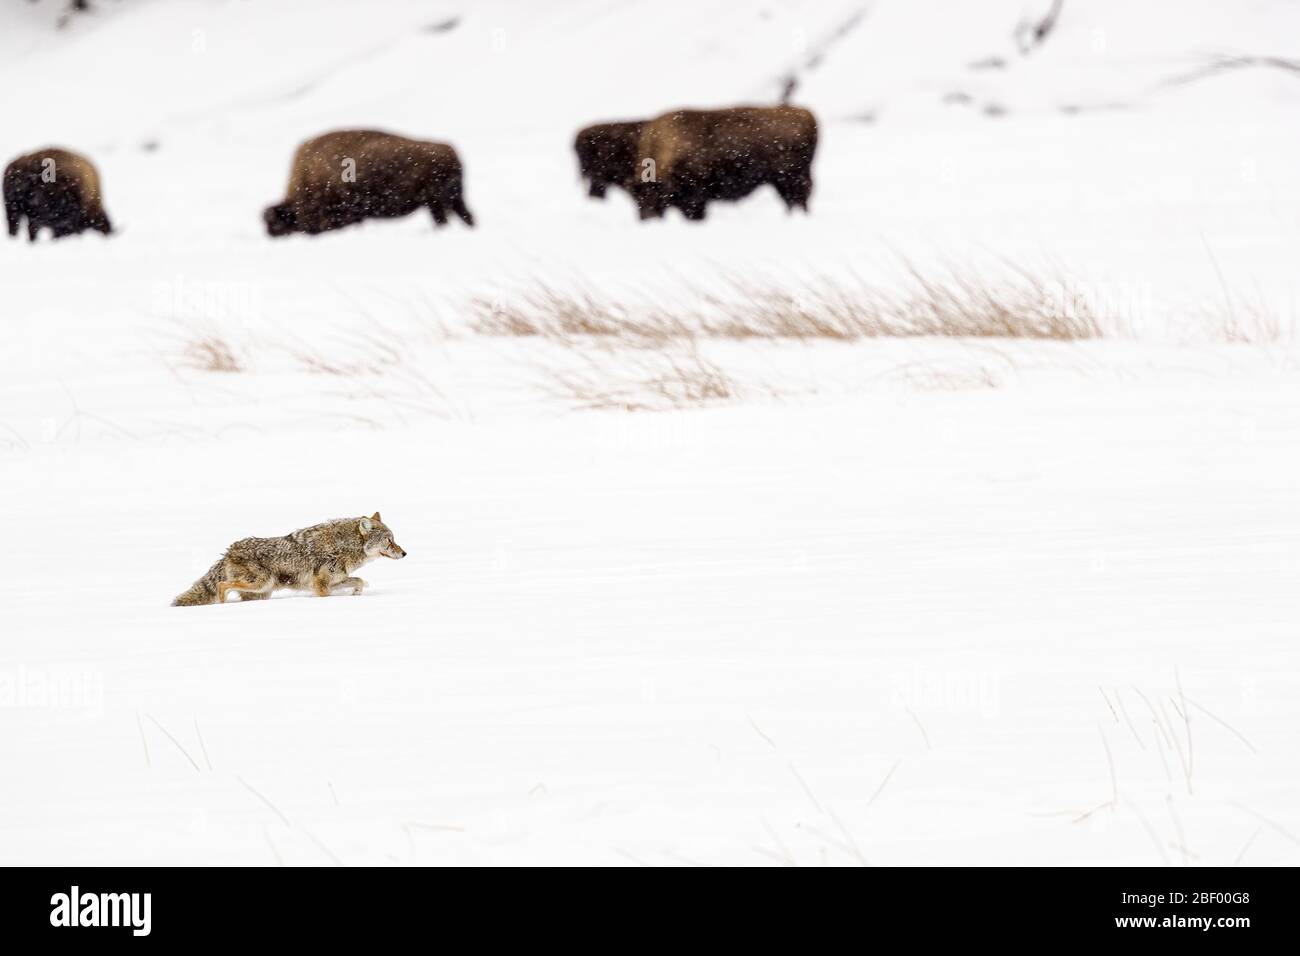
143 740
883 782
770 742
176 742
202 746
323 848
785 855
1181 845
251 789
1155 837
1183 761
853 844
806 789
279 860
1155 717
1225 725
1111 708
920 727
1242 853
1187 725
1263 819
1119 697
1110 763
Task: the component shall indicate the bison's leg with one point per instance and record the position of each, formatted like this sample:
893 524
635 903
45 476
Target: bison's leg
597 190
33 228
313 223
694 206
650 202
803 190
313 217
439 213
797 184
689 191
459 208
788 189
649 212
14 215
71 223
327 218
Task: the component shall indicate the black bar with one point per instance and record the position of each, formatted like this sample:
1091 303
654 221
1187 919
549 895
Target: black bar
928 906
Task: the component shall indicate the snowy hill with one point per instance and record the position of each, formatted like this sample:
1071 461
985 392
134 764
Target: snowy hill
712 599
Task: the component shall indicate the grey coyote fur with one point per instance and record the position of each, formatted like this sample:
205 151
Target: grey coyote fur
320 558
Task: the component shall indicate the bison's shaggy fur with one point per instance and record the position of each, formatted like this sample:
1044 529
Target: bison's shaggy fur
344 177
689 158
607 154
56 188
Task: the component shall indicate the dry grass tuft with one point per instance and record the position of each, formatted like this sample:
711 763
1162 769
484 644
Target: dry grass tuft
210 352
688 380
374 351
644 381
653 357
552 313
1251 321
951 304
1244 320
946 377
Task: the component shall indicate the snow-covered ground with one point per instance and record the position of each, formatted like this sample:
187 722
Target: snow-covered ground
895 600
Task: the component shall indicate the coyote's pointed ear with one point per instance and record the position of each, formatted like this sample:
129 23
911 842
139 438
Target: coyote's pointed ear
366 525
375 517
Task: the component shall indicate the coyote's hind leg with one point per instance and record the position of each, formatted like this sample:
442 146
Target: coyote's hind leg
241 585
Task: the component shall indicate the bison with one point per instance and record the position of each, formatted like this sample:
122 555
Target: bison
607 155
344 177
689 158
56 188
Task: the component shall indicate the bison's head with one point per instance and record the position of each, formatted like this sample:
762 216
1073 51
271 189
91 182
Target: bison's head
606 154
587 146
280 220
584 145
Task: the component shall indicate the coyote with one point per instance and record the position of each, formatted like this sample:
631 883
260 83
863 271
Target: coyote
320 558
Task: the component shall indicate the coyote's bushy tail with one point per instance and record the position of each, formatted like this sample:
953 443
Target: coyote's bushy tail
204 590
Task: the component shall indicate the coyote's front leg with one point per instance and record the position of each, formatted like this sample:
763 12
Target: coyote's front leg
326 585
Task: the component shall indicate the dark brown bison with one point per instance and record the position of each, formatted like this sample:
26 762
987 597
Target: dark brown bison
689 158
344 177
607 155
56 188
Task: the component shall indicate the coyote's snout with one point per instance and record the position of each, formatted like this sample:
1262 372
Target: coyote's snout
320 558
